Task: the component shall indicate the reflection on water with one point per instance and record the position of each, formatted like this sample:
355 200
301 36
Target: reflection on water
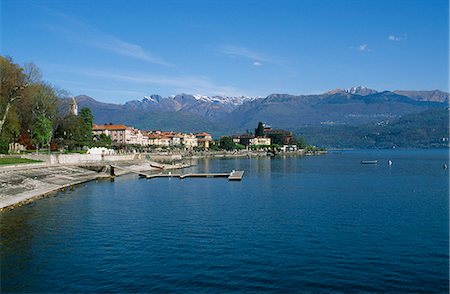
312 224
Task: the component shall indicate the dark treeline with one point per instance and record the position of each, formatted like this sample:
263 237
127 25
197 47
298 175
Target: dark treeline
427 129
30 114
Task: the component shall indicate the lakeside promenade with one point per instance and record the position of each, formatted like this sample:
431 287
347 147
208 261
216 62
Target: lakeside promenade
23 183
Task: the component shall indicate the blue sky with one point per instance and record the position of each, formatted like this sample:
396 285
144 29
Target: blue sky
117 51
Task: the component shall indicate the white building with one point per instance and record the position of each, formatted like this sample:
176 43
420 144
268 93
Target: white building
260 141
189 141
100 150
288 148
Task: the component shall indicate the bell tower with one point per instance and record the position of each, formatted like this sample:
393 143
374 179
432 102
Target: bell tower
74 107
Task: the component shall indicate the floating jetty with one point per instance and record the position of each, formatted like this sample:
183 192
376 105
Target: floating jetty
232 176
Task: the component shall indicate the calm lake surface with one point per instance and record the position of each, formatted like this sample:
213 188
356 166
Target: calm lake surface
294 224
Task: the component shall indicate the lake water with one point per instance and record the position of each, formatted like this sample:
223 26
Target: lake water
294 224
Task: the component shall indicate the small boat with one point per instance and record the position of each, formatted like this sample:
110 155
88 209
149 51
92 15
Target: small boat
369 161
271 153
156 165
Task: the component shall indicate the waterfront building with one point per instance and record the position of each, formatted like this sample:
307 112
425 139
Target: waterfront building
281 137
260 141
204 140
156 138
189 141
288 148
118 133
243 139
121 134
136 137
251 140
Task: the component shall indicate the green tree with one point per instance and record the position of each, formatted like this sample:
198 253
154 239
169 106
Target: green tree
43 131
10 131
43 100
13 83
87 120
103 140
300 142
227 143
259 131
70 133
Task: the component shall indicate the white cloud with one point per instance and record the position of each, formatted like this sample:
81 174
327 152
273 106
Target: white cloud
82 33
114 44
256 57
363 47
397 38
393 38
180 84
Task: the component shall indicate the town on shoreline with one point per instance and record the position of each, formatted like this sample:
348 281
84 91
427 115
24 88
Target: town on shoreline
107 139
46 145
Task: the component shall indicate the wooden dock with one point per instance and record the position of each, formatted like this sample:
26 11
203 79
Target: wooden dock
236 175
232 176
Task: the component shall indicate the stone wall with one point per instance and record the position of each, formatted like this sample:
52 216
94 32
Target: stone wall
165 158
79 158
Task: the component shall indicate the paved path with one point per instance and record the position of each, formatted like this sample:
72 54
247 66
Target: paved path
27 182
19 184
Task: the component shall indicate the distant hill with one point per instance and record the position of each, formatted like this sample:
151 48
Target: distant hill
224 115
337 108
430 96
427 129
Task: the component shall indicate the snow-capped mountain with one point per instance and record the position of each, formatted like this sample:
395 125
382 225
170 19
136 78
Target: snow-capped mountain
233 100
359 90
206 106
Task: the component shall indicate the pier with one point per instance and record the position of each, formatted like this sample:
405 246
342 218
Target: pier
232 176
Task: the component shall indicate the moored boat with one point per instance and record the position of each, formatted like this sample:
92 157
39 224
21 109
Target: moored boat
369 161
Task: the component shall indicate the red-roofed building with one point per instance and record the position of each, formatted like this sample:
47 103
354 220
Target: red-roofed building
121 134
204 140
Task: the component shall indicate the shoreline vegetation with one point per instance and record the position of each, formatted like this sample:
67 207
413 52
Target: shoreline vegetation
16 160
43 175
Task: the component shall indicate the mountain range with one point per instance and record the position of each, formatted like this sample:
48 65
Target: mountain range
224 115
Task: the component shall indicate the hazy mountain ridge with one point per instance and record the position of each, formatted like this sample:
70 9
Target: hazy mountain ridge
427 129
430 96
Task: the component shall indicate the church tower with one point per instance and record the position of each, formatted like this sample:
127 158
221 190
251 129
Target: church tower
74 107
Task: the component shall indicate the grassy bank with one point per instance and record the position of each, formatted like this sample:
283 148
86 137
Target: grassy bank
16 160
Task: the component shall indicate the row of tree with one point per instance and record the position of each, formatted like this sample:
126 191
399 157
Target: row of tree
32 112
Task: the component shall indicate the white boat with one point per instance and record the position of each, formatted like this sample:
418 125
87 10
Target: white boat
369 161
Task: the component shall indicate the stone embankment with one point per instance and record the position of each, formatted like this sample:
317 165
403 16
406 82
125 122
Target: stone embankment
20 184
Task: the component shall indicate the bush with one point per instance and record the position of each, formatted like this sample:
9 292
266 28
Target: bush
4 146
